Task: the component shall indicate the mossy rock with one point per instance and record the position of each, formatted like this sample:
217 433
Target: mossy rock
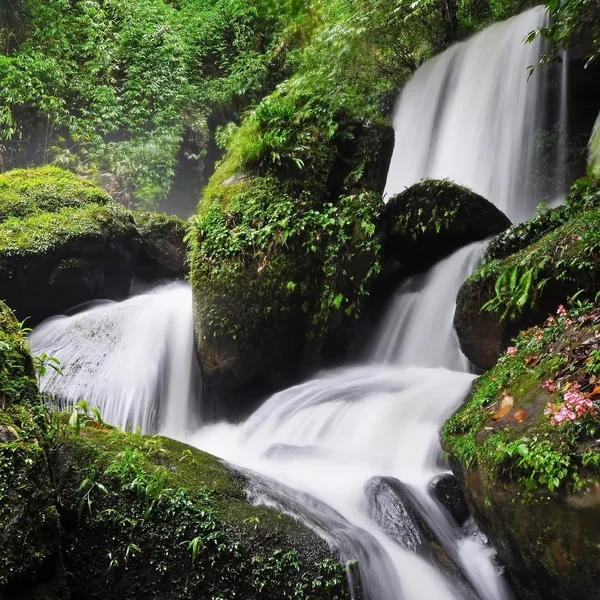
53 260
25 192
530 475
583 196
30 557
150 517
521 289
164 252
432 218
284 254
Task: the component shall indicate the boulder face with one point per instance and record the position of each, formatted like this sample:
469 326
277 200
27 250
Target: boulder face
512 293
163 253
432 218
283 253
524 449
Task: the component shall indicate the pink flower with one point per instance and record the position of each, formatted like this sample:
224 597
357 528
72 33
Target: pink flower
561 310
549 385
570 322
550 321
551 408
511 350
539 335
563 414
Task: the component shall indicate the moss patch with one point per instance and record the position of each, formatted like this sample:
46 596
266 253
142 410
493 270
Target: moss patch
26 192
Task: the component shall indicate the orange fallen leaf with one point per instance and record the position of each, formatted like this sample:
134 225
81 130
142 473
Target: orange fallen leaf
595 391
531 360
505 407
520 415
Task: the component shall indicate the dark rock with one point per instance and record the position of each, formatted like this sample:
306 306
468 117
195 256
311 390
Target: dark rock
163 253
445 489
393 506
8 434
431 219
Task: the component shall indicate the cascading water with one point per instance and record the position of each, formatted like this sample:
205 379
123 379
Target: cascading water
418 330
320 450
134 359
471 114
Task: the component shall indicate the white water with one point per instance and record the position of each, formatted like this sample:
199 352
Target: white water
134 359
470 115
418 329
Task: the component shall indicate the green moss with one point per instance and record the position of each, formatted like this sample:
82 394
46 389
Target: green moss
26 192
292 240
44 233
160 517
584 196
502 429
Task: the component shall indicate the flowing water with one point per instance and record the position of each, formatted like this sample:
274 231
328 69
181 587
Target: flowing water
319 450
471 114
135 359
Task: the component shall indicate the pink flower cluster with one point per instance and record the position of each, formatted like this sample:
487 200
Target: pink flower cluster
511 350
576 404
561 310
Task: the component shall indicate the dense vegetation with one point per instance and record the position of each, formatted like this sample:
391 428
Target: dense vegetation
134 89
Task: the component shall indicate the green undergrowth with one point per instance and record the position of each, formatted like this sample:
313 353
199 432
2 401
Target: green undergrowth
562 261
506 429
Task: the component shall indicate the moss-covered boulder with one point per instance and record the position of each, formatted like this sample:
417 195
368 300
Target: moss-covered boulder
30 544
88 511
64 241
164 252
432 218
525 449
285 243
54 260
510 294
149 517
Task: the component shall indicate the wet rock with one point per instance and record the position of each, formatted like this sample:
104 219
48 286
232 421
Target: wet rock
431 219
391 506
445 489
8 434
163 254
395 509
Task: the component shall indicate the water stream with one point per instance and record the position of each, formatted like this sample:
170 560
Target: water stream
319 450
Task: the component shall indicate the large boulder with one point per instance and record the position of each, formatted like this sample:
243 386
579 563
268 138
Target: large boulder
64 241
509 294
150 517
285 247
432 218
524 448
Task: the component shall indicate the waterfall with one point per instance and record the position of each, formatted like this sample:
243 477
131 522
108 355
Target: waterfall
319 450
471 115
418 329
133 359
